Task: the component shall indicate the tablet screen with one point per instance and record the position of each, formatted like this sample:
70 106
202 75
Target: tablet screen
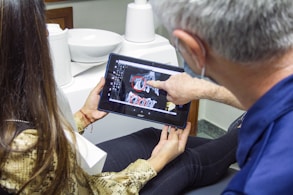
127 93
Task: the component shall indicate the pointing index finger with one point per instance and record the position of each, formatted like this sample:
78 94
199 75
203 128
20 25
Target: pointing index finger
156 84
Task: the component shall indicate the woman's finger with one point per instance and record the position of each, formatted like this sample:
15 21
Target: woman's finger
164 133
172 134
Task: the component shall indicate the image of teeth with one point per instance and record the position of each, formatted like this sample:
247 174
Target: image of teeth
170 106
139 83
137 100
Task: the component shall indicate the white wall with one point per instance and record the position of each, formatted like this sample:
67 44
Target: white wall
100 14
219 114
110 15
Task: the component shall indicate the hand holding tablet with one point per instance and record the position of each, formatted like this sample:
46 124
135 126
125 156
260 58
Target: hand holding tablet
126 91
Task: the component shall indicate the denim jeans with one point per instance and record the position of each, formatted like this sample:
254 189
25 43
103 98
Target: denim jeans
204 161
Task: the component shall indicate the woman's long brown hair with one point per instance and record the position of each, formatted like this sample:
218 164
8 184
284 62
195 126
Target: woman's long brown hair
28 89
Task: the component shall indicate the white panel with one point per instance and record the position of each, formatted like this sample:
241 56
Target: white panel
219 114
99 14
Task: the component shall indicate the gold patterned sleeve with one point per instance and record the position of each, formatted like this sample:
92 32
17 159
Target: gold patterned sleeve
128 181
79 123
18 165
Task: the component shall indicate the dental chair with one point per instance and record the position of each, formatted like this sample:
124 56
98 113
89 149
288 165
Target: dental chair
214 189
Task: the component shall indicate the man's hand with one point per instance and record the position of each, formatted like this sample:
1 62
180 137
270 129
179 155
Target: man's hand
182 88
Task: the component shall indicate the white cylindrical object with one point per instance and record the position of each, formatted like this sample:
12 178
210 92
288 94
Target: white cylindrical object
60 54
139 22
140 1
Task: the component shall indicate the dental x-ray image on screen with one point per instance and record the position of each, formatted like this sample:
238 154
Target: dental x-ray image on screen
126 91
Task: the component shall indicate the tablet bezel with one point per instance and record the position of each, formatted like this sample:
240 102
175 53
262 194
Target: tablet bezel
178 120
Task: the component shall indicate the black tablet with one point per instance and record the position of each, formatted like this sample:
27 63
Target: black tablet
126 91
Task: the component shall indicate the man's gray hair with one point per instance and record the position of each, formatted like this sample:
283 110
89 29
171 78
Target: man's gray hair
240 30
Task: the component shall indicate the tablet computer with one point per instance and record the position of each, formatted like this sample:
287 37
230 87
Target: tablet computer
126 91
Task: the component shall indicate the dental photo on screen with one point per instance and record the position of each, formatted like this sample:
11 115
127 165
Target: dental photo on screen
129 86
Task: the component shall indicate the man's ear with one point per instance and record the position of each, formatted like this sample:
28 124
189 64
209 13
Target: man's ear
194 45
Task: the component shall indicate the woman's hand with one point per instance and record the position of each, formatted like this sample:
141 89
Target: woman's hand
171 145
89 112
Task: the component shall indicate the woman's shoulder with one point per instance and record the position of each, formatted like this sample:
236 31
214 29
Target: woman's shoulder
25 140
